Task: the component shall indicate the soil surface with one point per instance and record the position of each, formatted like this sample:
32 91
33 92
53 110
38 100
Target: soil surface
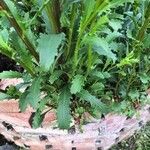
6 64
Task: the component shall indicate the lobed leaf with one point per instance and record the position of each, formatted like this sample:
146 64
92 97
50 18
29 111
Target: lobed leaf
101 47
63 110
48 48
77 84
31 96
95 102
37 119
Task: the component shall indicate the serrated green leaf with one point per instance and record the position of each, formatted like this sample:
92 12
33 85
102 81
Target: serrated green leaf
89 7
144 78
115 3
31 96
48 49
37 119
106 74
128 60
55 75
23 103
97 87
95 102
116 24
101 47
98 74
4 96
134 94
63 110
5 35
101 75
77 84
21 51
12 8
10 74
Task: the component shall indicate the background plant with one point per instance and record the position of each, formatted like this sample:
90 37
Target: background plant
140 141
85 56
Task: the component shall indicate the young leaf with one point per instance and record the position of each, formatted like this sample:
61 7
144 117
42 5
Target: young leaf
128 60
23 102
31 96
95 102
39 116
63 110
48 49
98 74
89 8
55 75
37 119
101 47
10 74
77 84
144 78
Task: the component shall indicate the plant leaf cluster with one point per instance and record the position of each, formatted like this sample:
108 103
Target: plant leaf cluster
89 55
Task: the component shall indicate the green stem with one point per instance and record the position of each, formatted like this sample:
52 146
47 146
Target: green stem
53 11
130 82
84 24
73 14
89 64
18 29
141 33
117 86
38 12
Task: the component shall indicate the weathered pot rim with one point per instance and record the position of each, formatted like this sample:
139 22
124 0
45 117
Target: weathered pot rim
102 133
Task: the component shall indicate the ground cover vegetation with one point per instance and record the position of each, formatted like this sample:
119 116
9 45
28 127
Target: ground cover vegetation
83 55
139 141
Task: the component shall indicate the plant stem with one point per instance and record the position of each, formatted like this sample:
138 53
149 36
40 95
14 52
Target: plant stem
89 64
141 33
9 54
38 12
18 29
53 12
83 25
73 14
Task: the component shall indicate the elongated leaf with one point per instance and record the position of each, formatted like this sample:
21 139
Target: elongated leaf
95 102
63 110
77 84
48 49
4 96
31 96
101 47
55 75
10 74
23 102
37 119
39 116
89 8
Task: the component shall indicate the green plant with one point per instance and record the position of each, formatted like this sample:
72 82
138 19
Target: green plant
139 141
78 55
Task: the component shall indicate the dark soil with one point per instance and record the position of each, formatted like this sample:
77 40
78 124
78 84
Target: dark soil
6 64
